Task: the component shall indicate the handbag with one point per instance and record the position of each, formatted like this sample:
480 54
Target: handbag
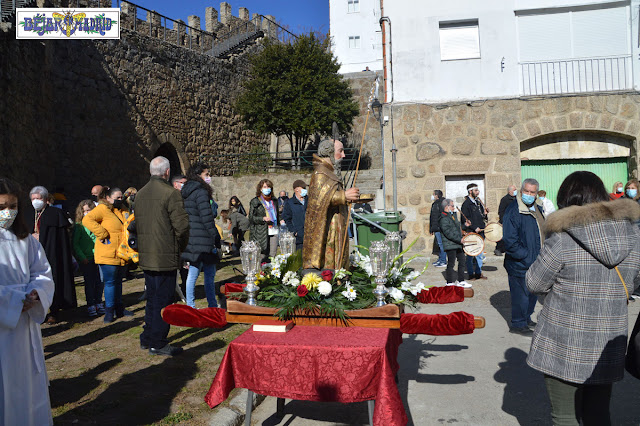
632 359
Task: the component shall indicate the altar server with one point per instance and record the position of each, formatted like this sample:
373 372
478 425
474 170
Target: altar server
26 292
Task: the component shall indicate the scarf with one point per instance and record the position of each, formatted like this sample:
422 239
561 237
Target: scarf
270 208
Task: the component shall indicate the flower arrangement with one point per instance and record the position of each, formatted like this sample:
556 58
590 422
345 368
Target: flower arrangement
331 293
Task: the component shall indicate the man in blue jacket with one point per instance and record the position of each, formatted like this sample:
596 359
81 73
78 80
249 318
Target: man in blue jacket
523 238
295 210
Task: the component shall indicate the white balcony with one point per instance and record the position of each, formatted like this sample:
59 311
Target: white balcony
584 75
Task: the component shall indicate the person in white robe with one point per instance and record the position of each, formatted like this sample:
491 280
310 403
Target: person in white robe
26 292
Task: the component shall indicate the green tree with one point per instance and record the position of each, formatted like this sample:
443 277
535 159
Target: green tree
295 90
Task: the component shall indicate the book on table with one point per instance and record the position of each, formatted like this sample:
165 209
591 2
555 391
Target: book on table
273 326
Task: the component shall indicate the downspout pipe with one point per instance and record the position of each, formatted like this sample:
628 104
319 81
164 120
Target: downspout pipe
394 149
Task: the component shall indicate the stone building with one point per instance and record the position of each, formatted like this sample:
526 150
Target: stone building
495 92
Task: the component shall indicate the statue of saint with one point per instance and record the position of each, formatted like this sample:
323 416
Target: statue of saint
325 224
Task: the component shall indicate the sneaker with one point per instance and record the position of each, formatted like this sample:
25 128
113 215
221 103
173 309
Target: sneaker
463 284
168 350
100 308
440 265
92 311
123 313
523 331
497 252
450 284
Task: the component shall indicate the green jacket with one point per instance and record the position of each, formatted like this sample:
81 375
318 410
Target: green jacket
450 231
258 228
162 226
83 242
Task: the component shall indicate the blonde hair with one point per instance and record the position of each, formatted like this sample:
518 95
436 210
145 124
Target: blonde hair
80 209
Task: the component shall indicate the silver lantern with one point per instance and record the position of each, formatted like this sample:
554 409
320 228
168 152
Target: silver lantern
394 241
250 255
287 243
380 256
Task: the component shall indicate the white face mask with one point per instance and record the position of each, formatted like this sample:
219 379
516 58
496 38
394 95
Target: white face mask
7 216
37 204
433 198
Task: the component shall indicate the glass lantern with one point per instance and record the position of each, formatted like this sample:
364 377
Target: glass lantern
394 241
250 255
379 254
287 243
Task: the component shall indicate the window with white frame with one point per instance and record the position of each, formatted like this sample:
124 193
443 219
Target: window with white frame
353 6
354 42
459 40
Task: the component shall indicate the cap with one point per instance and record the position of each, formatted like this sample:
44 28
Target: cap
299 183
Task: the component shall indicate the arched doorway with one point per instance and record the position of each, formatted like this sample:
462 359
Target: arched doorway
168 151
551 158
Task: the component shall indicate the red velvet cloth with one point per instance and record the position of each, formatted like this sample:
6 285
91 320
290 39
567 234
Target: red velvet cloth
446 294
451 324
186 316
349 364
233 288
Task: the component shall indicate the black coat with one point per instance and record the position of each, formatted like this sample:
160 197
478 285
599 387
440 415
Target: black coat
504 203
203 235
293 214
473 212
434 217
451 231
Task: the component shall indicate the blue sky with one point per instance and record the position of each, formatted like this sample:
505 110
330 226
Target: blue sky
299 15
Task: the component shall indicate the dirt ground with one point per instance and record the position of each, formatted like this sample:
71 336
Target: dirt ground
99 375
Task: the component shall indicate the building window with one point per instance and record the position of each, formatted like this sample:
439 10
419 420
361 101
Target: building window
354 42
459 40
353 6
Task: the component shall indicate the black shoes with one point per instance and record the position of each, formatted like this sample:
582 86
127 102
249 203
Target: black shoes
168 350
144 346
523 331
532 323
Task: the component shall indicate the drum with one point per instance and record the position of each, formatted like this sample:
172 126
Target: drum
493 232
472 244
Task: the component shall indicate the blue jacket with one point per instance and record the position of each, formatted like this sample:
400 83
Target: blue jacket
293 214
521 236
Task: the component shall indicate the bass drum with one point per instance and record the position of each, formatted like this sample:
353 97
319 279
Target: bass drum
493 232
472 244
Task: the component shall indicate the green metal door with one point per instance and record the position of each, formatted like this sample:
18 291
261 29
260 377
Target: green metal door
551 173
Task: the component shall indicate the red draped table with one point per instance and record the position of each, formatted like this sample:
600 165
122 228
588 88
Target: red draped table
349 364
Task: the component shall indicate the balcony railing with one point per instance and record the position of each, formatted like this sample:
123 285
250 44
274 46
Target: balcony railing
602 74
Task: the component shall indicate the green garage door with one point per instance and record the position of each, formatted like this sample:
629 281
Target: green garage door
551 173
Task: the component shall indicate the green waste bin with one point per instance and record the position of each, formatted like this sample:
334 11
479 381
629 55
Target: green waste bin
389 220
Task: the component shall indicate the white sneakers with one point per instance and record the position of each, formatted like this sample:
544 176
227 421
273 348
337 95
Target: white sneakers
462 284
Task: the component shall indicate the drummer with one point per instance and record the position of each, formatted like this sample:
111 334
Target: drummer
523 238
474 211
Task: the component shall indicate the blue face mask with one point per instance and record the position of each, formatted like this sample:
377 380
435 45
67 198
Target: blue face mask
515 192
303 192
266 191
631 193
528 199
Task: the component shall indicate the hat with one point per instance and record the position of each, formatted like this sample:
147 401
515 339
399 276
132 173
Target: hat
299 183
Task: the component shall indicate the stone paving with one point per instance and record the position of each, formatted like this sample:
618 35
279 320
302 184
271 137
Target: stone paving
477 379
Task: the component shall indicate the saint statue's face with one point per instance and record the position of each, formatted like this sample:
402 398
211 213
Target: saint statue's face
338 155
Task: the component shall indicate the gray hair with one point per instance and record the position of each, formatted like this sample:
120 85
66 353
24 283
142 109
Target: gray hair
159 166
40 190
530 181
327 148
447 202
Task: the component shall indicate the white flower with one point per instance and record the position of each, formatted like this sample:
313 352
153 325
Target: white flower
350 293
405 285
276 272
291 278
324 288
266 266
413 275
365 263
394 273
396 294
417 289
341 273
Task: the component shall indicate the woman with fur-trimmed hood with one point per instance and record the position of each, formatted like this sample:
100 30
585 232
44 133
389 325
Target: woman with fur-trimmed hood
580 340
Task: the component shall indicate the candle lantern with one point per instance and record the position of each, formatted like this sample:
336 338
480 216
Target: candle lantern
250 255
287 243
380 258
394 241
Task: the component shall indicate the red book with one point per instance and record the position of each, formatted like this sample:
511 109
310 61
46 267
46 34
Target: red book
273 326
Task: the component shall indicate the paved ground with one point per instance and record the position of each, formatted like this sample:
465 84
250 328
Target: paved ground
477 379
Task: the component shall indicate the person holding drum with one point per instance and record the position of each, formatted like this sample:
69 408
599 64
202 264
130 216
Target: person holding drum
451 234
523 238
474 211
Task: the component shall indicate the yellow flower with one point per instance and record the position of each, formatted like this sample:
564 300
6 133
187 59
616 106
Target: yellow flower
311 280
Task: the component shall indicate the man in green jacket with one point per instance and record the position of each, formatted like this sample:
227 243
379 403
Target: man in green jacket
452 242
162 226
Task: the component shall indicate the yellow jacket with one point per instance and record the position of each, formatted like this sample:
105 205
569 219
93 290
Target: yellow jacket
106 224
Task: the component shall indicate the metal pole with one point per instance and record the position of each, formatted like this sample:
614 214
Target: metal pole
393 163
384 180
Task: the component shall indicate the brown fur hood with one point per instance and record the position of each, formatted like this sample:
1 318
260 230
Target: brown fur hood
607 230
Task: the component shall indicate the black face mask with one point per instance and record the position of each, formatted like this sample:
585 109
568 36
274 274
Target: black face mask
117 204
94 198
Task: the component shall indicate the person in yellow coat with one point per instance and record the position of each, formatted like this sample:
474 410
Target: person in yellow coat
106 222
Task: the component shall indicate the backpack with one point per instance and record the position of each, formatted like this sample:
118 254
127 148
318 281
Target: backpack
128 249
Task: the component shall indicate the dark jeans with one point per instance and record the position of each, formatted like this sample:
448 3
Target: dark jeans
442 257
473 267
452 256
572 402
92 283
160 288
112 279
522 302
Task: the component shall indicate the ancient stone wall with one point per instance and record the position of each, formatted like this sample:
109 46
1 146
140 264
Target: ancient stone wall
75 113
486 138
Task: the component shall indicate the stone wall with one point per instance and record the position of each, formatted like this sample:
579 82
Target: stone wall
76 113
486 138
